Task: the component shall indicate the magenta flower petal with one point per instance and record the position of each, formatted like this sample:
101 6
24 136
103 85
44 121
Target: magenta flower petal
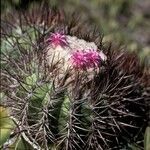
78 60
58 39
85 59
93 58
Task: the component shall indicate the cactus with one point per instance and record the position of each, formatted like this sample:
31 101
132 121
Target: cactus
66 89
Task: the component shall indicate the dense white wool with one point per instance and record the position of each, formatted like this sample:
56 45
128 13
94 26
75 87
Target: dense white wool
80 44
62 54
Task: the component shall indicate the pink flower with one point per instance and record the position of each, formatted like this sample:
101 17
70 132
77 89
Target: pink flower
78 59
85 59
57 39
92 57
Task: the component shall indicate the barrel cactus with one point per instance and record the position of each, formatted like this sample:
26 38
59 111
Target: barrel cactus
65 88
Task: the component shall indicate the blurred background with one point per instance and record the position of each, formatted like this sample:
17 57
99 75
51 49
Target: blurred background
125 22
